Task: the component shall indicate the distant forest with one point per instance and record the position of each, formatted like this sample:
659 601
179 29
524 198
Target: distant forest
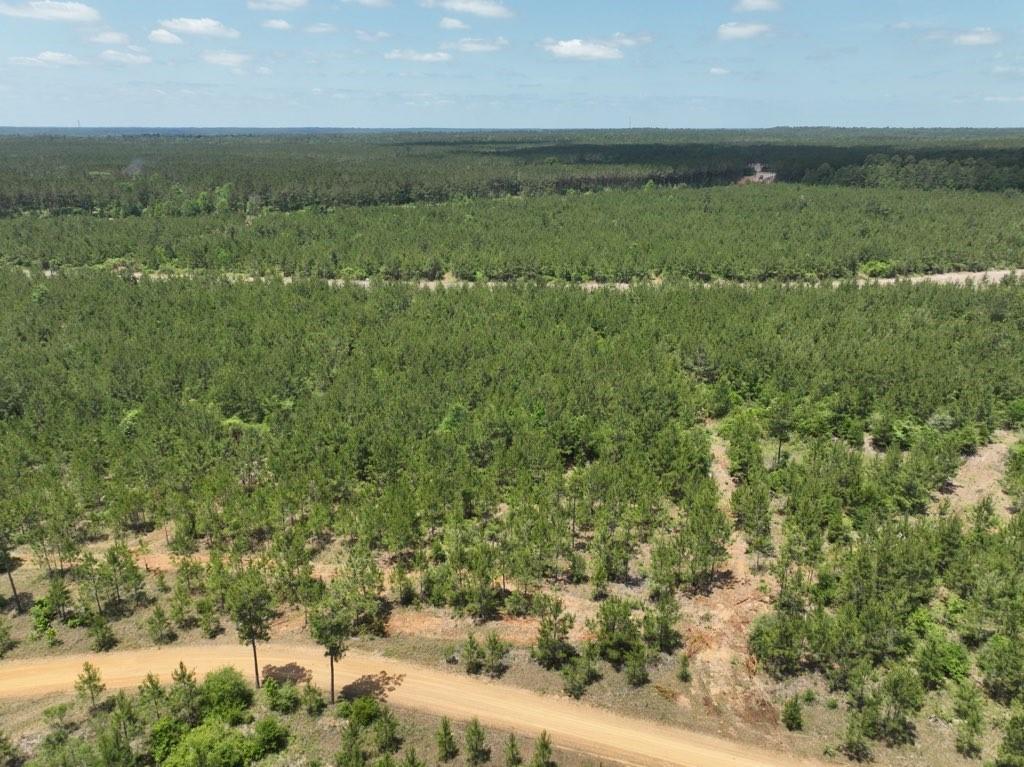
180 173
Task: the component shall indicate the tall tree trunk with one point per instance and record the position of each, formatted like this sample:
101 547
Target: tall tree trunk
255 665
332 679
17 599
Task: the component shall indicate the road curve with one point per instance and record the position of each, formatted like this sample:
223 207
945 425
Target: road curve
571 725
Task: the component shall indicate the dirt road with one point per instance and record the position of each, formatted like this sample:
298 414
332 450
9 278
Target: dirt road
571 725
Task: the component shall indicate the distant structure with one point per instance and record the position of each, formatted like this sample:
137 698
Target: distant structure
756 174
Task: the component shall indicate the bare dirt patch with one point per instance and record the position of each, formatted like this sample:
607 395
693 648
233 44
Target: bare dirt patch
981 476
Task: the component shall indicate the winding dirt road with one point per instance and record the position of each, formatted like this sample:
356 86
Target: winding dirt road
572 725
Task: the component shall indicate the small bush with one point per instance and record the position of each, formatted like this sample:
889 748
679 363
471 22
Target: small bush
282 697
270 736
225 694
792 715
313 700
683 673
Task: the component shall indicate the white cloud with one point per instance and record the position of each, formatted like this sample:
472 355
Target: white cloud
734 30
719 71
164 37
276 5
321 28
1005 99
226 59
124 57
1007 71
109 38
372 37
205 26
490 9
370 3
449 23
592 50
752 6
51 10
279 24
978 36
47 59
475 45
424 58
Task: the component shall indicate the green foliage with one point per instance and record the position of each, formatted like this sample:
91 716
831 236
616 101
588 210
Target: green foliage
226 695
1011 750
281 697
511 753
385 733
968 709
10 756
477 751
635 667
495 655
270 736
792 715
313 702
89 684
617 632
1002 663
552 649
472 655
683 672
542 752
361 712
578 673
212 744
446 746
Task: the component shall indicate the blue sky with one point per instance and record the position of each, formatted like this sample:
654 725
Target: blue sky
512 63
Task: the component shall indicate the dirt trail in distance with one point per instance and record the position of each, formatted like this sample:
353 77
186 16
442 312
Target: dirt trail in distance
450 281
571 725
981 475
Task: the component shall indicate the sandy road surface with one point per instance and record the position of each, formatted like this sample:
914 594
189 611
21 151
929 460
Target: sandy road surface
979 278
571 725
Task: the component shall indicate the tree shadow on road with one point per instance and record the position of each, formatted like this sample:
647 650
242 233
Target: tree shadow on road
292 672
378 686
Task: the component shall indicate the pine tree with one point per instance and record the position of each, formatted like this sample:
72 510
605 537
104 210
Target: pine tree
792 715
477 752
542 752
513 758
89 684
446 747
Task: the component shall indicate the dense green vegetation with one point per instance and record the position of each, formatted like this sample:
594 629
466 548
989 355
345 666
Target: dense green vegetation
181 174
481 449
783 232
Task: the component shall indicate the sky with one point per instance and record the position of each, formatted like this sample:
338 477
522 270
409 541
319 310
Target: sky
512 63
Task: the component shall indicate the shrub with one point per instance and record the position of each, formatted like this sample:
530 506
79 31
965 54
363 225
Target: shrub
282 697
578 674
385 733
446 748
270 736
477 752
313 700
361 712
683 673
212 744
792 715
473 655
636 667
225 694
495 654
